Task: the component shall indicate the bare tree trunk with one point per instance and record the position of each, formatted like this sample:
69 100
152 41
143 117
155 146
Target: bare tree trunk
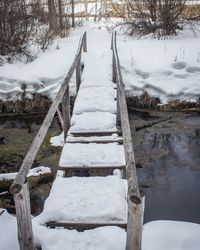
73 16
53 24
60 10
86 9
96 3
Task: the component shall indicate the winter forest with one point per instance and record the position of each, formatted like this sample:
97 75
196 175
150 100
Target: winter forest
99 124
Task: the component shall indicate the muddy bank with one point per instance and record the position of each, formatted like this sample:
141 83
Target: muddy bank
145 101
168 160
16 136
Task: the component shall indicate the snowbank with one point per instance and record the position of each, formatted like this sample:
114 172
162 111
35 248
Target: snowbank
157 235
33 172
171 235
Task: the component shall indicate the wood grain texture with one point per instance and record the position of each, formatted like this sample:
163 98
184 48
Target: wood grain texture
23 214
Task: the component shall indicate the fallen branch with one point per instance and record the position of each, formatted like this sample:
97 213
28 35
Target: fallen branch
152 124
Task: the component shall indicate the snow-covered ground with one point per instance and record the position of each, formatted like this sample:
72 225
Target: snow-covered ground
167 68
157 235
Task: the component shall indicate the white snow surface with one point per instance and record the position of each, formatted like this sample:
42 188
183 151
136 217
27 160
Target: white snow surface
93 121
166 68
92 154
171 235
33 172
86 199
8 231
57 140
102 239
157 235
93 99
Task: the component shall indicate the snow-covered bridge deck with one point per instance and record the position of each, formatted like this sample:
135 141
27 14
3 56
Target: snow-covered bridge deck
105 206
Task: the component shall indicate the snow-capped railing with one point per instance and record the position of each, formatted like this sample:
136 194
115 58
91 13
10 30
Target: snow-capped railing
135 202
19 187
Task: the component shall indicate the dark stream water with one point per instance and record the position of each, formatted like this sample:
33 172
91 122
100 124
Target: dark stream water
168 155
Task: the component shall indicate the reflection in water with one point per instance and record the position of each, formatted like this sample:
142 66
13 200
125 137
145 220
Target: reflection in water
170 176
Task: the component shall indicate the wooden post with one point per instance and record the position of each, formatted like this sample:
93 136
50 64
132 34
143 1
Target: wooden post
60 118
23 214
85 42
66 112
78 74
118 118
114 69
111 42
135 225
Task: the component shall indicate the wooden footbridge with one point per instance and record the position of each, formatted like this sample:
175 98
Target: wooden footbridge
96 185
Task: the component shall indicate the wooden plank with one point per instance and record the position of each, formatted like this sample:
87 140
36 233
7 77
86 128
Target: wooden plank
83 226
120 141
78 167
23 214
95 133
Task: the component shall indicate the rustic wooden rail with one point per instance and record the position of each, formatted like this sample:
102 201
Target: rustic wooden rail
19 187
135 202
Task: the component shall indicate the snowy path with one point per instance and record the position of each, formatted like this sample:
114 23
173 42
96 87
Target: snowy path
90 200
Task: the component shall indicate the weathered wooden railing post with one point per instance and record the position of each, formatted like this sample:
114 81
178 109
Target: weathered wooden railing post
114 69
78 74
118 117
23 214
66 112
85 42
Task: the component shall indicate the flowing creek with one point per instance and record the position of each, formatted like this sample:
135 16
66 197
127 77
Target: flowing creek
167 156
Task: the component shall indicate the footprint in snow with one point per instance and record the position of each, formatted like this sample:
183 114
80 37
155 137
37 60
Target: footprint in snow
192 69
179 65
142 74
181 76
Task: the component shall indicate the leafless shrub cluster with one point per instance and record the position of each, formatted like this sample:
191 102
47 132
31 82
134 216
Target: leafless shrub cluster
160 17
23 23
15 27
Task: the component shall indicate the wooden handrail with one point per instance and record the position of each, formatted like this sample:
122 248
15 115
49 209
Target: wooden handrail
135 202
19 187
